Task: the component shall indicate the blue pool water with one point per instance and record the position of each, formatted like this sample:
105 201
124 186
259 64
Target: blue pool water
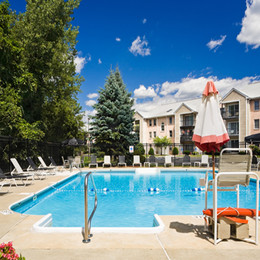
128 203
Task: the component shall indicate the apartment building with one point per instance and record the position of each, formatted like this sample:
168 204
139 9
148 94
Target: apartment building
241 113
174 120
240 110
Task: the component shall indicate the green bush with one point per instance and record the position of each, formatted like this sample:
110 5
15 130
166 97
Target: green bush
255 149
175 151
187 152
139 149
151 151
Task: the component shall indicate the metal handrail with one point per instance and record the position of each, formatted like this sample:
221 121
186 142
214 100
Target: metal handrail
86 230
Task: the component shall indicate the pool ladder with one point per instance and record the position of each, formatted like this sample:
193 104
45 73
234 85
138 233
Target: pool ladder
86 230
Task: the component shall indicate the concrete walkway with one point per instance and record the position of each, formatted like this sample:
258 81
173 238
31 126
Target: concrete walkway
183 237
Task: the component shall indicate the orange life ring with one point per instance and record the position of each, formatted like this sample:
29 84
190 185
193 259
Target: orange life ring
231 212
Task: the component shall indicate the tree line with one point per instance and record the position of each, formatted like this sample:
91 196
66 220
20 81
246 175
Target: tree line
38 82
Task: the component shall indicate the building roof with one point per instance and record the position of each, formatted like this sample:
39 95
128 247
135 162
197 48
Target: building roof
171 108
250 91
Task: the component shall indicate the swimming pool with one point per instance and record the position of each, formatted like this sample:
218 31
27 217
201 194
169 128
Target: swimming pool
128 198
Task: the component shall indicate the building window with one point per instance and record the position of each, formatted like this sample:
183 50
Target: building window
233 128
154 134
170 133
170 120
150 122
162 126
256 105
150 135
154 122
233 110
187 120
256 123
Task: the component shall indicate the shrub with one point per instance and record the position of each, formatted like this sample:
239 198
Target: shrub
255 149
175 151
151 151
139 149
187 152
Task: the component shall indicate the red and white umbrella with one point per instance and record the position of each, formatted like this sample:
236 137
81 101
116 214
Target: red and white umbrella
210 132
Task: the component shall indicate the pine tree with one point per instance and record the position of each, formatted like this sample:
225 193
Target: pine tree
112 126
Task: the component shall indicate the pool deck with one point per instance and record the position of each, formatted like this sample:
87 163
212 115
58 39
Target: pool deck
183 237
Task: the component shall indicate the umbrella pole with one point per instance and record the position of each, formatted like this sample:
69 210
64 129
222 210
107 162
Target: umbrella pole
213 165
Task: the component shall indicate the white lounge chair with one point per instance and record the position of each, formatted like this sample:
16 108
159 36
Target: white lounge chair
234 170
107 161
6 180
76 162
204 161
29 174
43 165
168 160
137 160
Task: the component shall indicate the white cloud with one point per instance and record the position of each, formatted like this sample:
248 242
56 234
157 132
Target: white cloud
118 39
189 88
250 31
140 47
214 44
143 92
99 61
79 62
92 95
144 20
90 103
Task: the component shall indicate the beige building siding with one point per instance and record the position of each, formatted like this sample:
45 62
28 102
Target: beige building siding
158 128
233 98
181 111
253 115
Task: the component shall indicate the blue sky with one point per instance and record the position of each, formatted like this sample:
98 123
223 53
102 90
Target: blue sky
166 50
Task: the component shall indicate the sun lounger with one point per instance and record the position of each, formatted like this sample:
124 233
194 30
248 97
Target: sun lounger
43 165
30 174
204 161
93 161
186 160
121 160
152 161
107 161
168 161
137 161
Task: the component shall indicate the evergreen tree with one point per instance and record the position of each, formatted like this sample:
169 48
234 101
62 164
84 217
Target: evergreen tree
112 126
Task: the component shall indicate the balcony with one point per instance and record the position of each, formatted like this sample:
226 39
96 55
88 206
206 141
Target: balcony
227 115
186 138
232 132
187 124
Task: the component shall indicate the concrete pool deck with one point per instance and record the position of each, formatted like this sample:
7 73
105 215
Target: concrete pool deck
183 237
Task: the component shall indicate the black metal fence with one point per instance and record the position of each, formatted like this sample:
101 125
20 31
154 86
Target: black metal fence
22 148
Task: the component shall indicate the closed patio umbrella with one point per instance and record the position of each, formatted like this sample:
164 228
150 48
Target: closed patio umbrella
210 132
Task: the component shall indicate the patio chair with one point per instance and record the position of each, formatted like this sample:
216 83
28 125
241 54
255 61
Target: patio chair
43 165
93 161
234 170
4 180
152 161
76 162
168 160
204 161
107 161
66 163
137 160
18 171
122 161
186 160
13 178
